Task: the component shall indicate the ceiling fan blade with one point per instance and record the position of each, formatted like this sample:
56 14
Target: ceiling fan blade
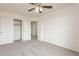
47 7
31 9
32 3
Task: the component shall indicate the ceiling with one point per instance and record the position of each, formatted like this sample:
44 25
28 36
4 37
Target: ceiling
22 8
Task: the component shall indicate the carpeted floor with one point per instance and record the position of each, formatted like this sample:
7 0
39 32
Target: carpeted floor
34 48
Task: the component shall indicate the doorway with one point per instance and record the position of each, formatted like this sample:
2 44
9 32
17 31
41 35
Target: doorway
17 29
34 30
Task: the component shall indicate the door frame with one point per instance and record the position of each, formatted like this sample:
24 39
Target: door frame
20 28
36 29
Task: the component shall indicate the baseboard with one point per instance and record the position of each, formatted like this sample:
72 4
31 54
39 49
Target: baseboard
6 42
61 46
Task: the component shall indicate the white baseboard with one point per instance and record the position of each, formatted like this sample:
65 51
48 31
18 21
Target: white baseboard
6 42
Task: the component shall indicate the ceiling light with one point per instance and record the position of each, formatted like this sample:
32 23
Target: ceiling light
41 9
38 9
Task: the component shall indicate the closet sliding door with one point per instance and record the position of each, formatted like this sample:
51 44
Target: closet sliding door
17 29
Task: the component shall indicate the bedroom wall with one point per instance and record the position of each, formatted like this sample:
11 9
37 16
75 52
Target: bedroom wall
61 27
6 27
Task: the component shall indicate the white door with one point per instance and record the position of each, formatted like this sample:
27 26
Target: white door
34 30
17 29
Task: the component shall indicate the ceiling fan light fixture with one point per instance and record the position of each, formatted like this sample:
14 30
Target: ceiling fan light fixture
41 9
37 9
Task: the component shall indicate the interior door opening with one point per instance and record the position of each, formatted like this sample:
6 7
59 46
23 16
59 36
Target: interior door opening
34 35
17 29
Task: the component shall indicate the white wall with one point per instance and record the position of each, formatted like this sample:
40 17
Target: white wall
61 27
6 27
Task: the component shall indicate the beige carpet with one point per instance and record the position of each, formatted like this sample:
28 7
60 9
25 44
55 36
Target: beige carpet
34 48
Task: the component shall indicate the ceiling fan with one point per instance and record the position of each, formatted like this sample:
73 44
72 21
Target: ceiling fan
38 7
